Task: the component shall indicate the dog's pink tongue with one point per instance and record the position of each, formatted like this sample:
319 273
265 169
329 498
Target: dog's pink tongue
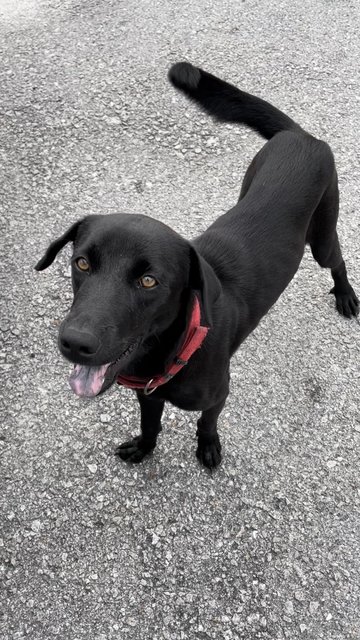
87 381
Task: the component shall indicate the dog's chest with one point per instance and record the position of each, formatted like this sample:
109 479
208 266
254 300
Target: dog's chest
188 393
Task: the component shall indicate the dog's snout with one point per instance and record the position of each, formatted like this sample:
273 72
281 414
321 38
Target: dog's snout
75 343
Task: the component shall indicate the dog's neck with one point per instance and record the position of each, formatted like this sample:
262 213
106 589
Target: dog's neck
158 350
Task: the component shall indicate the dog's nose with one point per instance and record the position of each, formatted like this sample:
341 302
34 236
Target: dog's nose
78 343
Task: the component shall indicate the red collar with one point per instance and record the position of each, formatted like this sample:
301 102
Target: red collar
194 337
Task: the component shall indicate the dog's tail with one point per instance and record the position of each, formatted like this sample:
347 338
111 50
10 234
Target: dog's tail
226 103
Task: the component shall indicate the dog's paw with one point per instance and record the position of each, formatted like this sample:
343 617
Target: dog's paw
347 302
133 450
209 453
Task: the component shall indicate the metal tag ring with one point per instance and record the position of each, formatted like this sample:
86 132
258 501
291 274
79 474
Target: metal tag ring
147 391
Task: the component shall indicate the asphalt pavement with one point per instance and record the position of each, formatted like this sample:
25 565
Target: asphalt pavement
268 546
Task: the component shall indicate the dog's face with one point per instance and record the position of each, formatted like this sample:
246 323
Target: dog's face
130 276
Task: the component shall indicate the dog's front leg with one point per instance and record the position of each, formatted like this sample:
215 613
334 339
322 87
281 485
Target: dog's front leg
209 447
136 449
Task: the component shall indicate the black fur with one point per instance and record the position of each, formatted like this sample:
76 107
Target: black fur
239 266
227 103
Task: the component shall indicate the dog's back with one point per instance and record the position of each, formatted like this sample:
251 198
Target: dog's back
257 246
289 197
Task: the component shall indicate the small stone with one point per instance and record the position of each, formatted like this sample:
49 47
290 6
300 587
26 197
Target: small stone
357 428
92 468
113 120
328 617
331 464
253 617
35 525
104 418
299 596
211 141
303 628
313 607
289 607
155 539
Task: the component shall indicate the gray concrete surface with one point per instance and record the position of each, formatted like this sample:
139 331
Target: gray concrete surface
268 546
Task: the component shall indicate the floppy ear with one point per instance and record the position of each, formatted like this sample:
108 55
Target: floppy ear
54 248
204 280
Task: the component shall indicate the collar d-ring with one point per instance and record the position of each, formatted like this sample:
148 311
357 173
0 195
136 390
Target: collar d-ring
147 390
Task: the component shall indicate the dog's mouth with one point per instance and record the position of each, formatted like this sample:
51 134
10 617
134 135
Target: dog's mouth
88 382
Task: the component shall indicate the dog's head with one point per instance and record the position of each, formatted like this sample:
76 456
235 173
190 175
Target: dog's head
131 277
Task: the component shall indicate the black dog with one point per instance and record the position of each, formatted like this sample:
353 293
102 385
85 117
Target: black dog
145 299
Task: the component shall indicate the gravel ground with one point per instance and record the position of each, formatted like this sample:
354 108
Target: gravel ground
268 546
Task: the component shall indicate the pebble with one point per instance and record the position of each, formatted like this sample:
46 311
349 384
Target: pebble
289 607
35 525
331 464
313 607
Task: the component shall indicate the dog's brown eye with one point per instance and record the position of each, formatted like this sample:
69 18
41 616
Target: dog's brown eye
82 264
148 282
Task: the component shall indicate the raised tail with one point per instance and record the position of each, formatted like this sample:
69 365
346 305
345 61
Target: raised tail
226 103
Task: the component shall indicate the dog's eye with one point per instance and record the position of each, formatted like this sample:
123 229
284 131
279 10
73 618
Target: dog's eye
82 264
148 282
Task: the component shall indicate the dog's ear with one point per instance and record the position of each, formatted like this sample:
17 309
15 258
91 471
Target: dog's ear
54 248
204 280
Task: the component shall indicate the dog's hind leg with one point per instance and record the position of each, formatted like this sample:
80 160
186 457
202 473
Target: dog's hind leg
325 247
347 302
